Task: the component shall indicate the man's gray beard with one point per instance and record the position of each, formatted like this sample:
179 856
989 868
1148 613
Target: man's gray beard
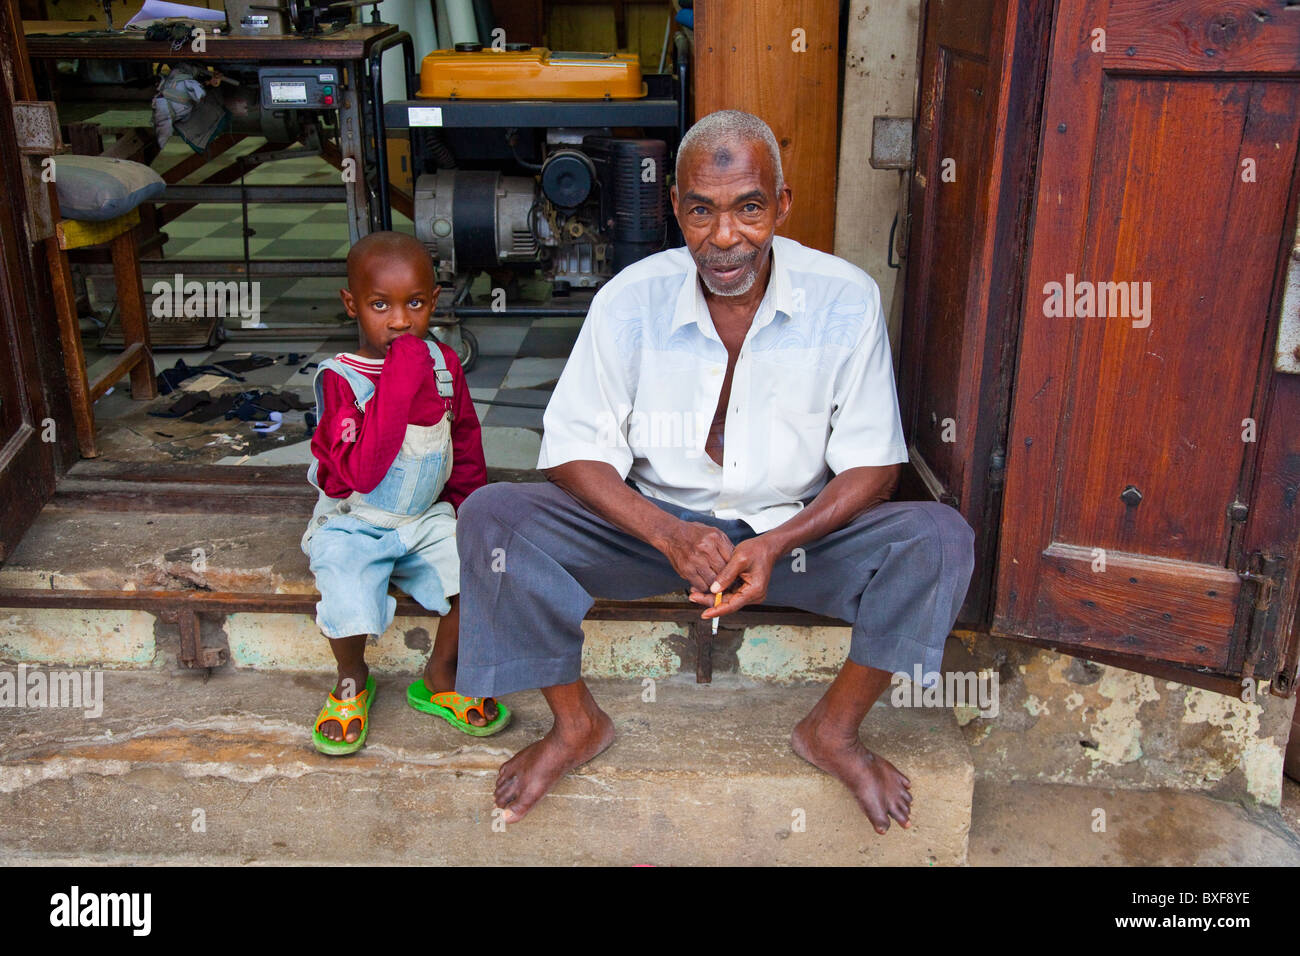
744 287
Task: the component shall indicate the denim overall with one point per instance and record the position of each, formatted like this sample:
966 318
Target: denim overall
415 478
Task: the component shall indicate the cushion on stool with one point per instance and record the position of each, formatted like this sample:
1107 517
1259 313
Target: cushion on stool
96 188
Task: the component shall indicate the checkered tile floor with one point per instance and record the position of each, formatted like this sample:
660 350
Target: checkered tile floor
519 359
509 370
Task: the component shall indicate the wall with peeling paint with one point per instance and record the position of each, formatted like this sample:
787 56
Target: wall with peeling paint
1061 719
1066 720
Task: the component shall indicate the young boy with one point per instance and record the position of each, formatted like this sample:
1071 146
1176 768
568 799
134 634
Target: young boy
397 449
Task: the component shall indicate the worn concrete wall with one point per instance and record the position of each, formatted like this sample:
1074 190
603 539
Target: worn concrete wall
77 637
291 643
1061 719
1065 720
879 80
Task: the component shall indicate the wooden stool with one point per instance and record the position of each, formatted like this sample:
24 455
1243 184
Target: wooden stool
119 233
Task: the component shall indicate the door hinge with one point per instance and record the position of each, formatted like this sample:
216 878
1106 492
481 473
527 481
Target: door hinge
36 128
1262 580
997 467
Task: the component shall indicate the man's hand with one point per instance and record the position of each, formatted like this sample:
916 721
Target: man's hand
751 565
697 552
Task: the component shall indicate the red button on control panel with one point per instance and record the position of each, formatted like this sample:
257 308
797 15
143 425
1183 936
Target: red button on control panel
329 101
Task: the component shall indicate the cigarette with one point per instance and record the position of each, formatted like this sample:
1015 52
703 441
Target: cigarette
717 599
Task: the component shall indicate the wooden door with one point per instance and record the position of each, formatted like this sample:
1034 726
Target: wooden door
1153 459
30 435
980 93
779 59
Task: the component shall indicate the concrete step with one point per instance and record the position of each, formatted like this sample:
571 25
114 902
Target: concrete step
701 774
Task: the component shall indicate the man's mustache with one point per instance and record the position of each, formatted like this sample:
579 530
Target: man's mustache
727 260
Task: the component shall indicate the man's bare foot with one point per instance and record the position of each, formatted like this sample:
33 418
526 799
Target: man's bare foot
880 789
440 676
529 775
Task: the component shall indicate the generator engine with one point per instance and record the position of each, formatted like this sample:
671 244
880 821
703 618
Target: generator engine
595 204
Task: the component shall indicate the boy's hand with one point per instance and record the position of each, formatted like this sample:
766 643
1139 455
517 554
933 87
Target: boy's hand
408 349
406 341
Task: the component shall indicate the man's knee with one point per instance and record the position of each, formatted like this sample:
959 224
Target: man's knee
941 530
949 525
501 502
954 535
501 507
484 505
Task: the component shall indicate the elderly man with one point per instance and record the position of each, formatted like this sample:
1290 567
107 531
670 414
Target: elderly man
727 419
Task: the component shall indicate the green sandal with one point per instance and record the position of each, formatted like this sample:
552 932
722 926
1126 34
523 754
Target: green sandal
454 709
345 712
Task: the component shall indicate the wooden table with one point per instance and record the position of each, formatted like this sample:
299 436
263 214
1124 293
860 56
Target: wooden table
49 39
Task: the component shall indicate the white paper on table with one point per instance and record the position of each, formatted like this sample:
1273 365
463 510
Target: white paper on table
163 9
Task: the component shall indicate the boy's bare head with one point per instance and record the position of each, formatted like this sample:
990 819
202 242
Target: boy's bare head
379 247
391 290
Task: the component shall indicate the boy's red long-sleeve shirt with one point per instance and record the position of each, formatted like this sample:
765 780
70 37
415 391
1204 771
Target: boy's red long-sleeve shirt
355 449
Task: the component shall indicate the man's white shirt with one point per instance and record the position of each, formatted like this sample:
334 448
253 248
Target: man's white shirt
812 393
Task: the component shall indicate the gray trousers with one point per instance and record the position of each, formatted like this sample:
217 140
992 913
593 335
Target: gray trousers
533 559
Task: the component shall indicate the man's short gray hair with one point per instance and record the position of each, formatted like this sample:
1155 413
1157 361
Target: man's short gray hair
728 126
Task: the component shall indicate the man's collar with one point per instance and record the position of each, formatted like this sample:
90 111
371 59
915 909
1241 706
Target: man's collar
690 298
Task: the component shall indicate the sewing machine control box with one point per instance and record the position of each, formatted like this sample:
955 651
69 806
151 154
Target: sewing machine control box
299 87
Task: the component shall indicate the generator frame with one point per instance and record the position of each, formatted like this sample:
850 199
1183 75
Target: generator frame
663 112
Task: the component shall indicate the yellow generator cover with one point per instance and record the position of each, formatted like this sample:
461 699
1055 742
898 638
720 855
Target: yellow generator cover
534 74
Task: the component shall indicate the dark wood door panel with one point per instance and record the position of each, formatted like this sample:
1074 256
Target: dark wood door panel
1204 36
1127 608
939 431
982 64
12 411
1275 530
1165 394
963 26
1128 444
27 453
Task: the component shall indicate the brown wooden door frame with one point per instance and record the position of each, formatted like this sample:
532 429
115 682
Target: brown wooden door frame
28 326
966 256
1163 606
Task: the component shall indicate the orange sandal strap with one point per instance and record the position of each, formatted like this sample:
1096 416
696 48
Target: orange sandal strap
345 712
461 706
